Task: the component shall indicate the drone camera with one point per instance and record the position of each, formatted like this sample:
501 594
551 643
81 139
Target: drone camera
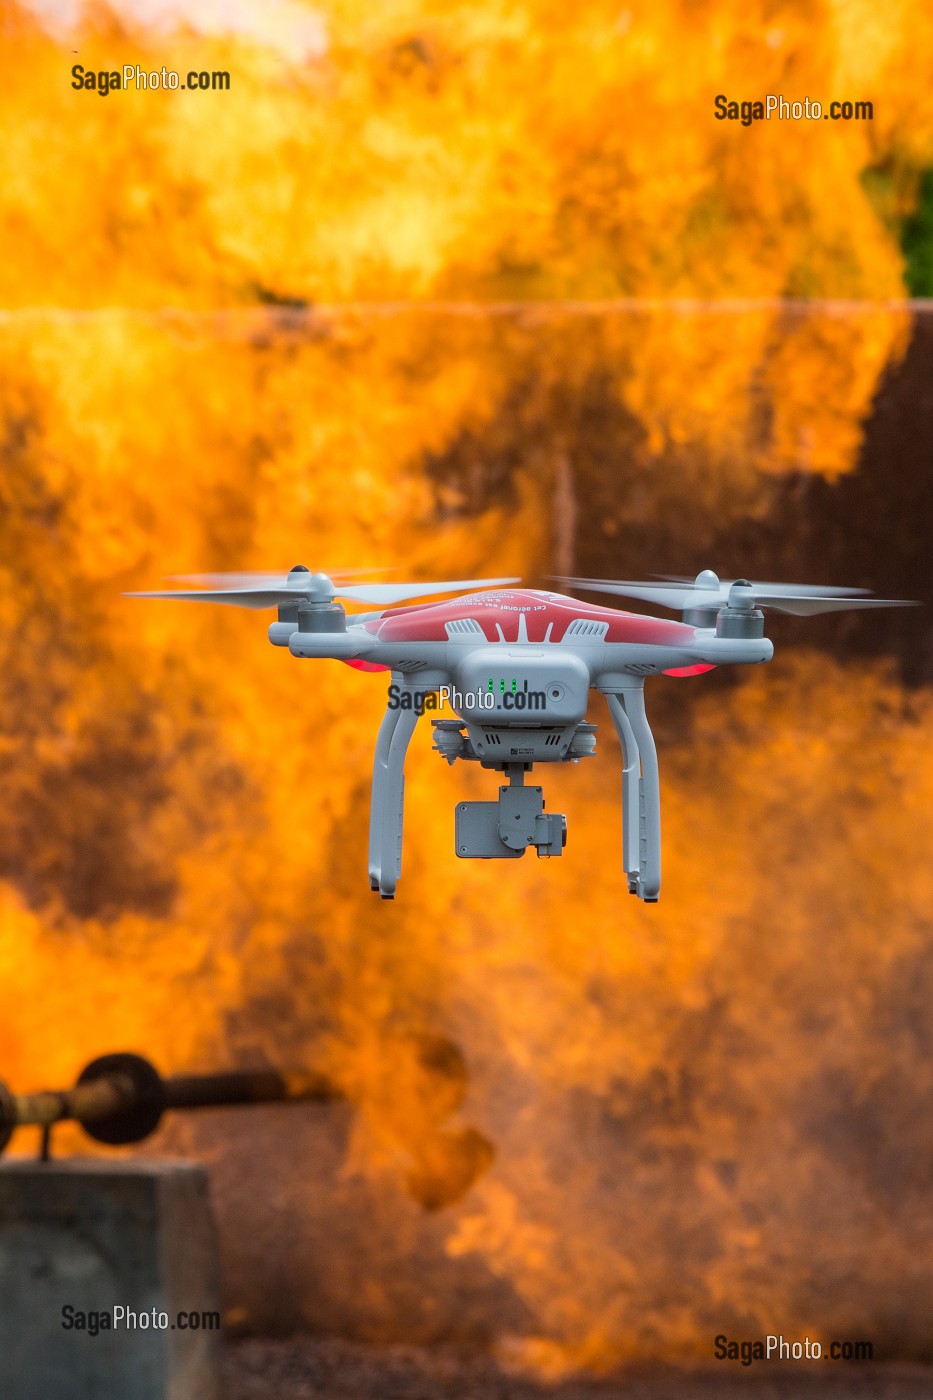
505 830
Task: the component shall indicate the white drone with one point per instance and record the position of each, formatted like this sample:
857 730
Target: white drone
517 666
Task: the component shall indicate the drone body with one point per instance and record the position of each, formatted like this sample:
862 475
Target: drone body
517 667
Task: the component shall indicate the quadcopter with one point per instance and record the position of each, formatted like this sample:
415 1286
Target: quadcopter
516 666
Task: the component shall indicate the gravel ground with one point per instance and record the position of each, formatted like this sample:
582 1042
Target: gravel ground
314 1369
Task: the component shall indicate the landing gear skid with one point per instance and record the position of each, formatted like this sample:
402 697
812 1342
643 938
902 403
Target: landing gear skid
641 793
388 801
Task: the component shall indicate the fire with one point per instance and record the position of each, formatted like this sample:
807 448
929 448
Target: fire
632 1128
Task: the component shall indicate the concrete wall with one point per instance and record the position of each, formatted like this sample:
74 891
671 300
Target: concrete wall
95 1235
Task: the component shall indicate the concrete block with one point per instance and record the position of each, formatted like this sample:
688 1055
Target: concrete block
93 1236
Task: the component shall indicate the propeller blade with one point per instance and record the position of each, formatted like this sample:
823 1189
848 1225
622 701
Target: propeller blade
262 579
668 595
809 607
803 600
785 590
385 594
256 597
271 589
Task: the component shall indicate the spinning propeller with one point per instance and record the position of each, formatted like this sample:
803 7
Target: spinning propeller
300 585
708 593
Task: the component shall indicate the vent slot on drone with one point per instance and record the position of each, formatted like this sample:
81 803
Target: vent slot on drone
585 627
463 627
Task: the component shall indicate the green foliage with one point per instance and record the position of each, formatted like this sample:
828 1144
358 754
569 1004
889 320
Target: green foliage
917 242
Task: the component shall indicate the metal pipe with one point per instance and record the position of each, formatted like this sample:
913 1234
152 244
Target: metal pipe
85 1102
248 1086
121 1098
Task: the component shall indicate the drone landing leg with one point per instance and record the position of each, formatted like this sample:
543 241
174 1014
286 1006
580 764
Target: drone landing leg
389 801
380 768
631 779
641 794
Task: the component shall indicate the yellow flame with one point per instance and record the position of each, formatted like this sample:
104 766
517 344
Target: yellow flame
185 810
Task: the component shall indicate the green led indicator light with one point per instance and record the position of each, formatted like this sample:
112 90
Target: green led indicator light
513 683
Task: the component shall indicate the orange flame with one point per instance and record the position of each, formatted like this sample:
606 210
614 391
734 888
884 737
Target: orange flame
684 1102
